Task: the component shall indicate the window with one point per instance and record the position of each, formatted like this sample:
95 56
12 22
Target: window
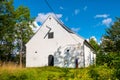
49 18
50 35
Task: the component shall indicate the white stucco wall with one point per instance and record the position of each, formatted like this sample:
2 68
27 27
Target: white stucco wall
75 52
89 55
39 48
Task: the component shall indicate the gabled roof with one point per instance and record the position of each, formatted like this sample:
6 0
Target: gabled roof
66 28
85 41
70 31
63 25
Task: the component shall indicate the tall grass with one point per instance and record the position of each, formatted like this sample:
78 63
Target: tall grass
13 72
10 66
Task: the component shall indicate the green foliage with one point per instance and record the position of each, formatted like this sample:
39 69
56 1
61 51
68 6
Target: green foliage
6 27
109 54
117 73
112 61
111 40
56 73
94 44
94 74
14 26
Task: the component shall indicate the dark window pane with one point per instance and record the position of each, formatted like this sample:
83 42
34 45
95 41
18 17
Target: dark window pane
50 35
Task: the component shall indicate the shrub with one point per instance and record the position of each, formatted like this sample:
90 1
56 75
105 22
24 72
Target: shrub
93 74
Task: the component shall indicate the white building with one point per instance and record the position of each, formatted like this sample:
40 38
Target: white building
54 44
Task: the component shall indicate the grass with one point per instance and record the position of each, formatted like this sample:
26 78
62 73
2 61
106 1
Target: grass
11 72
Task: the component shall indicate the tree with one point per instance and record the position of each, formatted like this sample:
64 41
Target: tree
6 28
111 40
23 31
15 29
111 47
94 44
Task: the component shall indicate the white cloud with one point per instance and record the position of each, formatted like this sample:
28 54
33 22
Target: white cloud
75 29
76 11
87 40
61 7
66 19
85 8
42 16
94 38
107 21
36 26
101 15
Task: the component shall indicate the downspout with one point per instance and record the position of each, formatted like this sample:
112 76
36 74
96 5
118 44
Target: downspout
84 54
90 57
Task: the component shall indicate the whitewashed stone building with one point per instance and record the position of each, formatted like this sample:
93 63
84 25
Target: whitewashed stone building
54 44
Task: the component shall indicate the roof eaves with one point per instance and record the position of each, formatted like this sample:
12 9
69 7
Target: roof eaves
63 25
85 41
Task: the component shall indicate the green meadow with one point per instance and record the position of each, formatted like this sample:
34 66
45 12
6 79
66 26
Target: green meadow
56 73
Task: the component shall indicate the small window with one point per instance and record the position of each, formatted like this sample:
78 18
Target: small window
35 51
49 18
50 35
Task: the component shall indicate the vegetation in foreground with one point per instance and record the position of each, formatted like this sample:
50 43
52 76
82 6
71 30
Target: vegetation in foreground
56 73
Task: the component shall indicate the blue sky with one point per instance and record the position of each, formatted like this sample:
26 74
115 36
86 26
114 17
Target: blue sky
88 18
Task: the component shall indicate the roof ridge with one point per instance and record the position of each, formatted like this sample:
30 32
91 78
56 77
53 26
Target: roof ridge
67 28
63 25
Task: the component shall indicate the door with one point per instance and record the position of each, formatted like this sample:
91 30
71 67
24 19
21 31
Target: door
50 60
76 63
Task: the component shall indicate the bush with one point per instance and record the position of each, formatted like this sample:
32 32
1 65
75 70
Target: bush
117 74
93 74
